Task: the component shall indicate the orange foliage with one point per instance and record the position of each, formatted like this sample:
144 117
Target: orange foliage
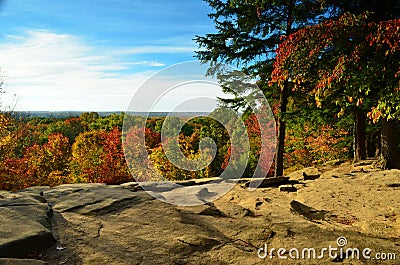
97 156
312 147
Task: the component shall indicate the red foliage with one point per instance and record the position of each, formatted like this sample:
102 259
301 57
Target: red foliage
308 146
38 164
17 174
153 139
256 158
351 38
98 157
114 167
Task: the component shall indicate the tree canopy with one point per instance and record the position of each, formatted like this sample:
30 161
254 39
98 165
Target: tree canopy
341 54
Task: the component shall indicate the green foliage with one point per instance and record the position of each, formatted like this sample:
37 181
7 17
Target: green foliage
311 145
248 33
34 156
349 61
71 128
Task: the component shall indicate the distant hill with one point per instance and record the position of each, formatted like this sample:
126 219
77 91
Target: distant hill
69 114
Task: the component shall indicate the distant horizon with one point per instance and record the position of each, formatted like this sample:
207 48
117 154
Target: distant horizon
106 111
59 114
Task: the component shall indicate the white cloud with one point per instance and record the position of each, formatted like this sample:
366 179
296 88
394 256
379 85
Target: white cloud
50 71
148 63
157 64
161 49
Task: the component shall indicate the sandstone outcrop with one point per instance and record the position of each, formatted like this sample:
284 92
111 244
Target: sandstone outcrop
123 224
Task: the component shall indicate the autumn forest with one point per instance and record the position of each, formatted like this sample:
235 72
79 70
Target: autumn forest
329 69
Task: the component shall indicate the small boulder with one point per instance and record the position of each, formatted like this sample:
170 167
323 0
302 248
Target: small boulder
287 188
311 176
24 226
335 162
268 182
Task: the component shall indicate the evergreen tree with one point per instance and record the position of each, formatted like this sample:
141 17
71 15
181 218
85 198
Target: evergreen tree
248 33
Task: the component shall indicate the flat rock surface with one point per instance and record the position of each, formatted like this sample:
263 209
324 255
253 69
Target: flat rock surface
99 224
6 261
24 225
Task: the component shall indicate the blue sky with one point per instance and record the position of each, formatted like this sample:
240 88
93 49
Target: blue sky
90 55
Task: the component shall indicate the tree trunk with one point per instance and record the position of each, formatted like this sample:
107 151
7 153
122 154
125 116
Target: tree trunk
283 100
374 144
378 145
389 150
360 150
